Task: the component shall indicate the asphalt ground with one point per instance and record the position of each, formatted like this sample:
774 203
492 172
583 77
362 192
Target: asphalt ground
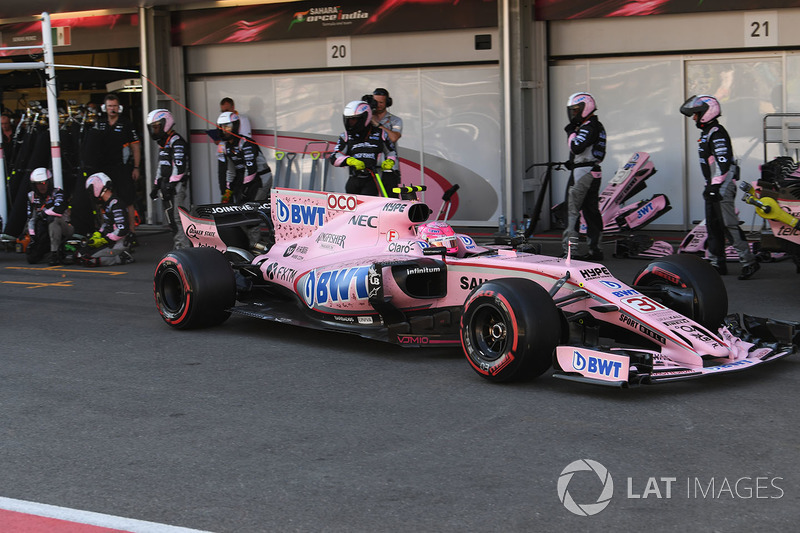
256 426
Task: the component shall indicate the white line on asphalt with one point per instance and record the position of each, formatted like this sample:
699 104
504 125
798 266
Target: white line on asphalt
90 518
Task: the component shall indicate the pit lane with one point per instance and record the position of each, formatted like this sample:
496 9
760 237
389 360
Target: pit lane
255 426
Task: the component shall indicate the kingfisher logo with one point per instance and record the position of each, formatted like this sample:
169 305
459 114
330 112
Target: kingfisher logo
600 366
299 214
333 286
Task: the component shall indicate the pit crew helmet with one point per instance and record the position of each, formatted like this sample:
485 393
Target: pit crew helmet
438 234
41 175
703 108
97 183
579 107
159 123
357 117
228 122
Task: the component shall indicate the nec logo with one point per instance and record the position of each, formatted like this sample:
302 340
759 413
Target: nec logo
306 215
366 221
595 365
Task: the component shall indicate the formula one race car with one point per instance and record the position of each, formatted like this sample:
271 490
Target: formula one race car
377 268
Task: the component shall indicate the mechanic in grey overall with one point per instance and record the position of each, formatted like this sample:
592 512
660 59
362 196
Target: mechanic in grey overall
721 172
586 137
172 177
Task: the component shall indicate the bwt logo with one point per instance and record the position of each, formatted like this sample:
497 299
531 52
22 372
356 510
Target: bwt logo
595 365
306 215
647 209
334 285
468 242
585 509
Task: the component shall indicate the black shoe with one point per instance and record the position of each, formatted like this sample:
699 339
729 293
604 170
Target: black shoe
126 257
721 268
749 270
53 259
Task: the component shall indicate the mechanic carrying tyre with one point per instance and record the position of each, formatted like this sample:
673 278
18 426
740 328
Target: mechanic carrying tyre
720 172
359 148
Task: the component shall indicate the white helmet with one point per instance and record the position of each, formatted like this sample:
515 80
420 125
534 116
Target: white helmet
579 107
40 175
159 123
97 183
228 122
357 117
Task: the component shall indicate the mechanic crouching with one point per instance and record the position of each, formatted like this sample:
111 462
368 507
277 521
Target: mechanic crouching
48 219
110 244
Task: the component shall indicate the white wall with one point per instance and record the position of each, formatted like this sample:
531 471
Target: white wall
451 131
639 100
719 30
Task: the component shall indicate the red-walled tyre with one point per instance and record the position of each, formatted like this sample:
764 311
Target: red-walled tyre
194 288
509 329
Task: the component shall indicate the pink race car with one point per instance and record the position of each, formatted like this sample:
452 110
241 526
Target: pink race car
377 268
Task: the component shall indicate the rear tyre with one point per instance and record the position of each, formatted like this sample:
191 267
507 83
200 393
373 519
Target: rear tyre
710 302
194 288
509 329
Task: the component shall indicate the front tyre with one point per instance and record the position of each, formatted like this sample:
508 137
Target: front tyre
194 288
707 303
509 329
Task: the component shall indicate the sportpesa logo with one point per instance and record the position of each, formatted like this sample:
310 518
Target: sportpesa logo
586 509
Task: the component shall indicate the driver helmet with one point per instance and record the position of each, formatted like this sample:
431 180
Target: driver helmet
41 175
228 123
159 123
703 108
579 107
438 234
357 117
97 183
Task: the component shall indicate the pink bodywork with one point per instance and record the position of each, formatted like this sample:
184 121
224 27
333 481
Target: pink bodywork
326 243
